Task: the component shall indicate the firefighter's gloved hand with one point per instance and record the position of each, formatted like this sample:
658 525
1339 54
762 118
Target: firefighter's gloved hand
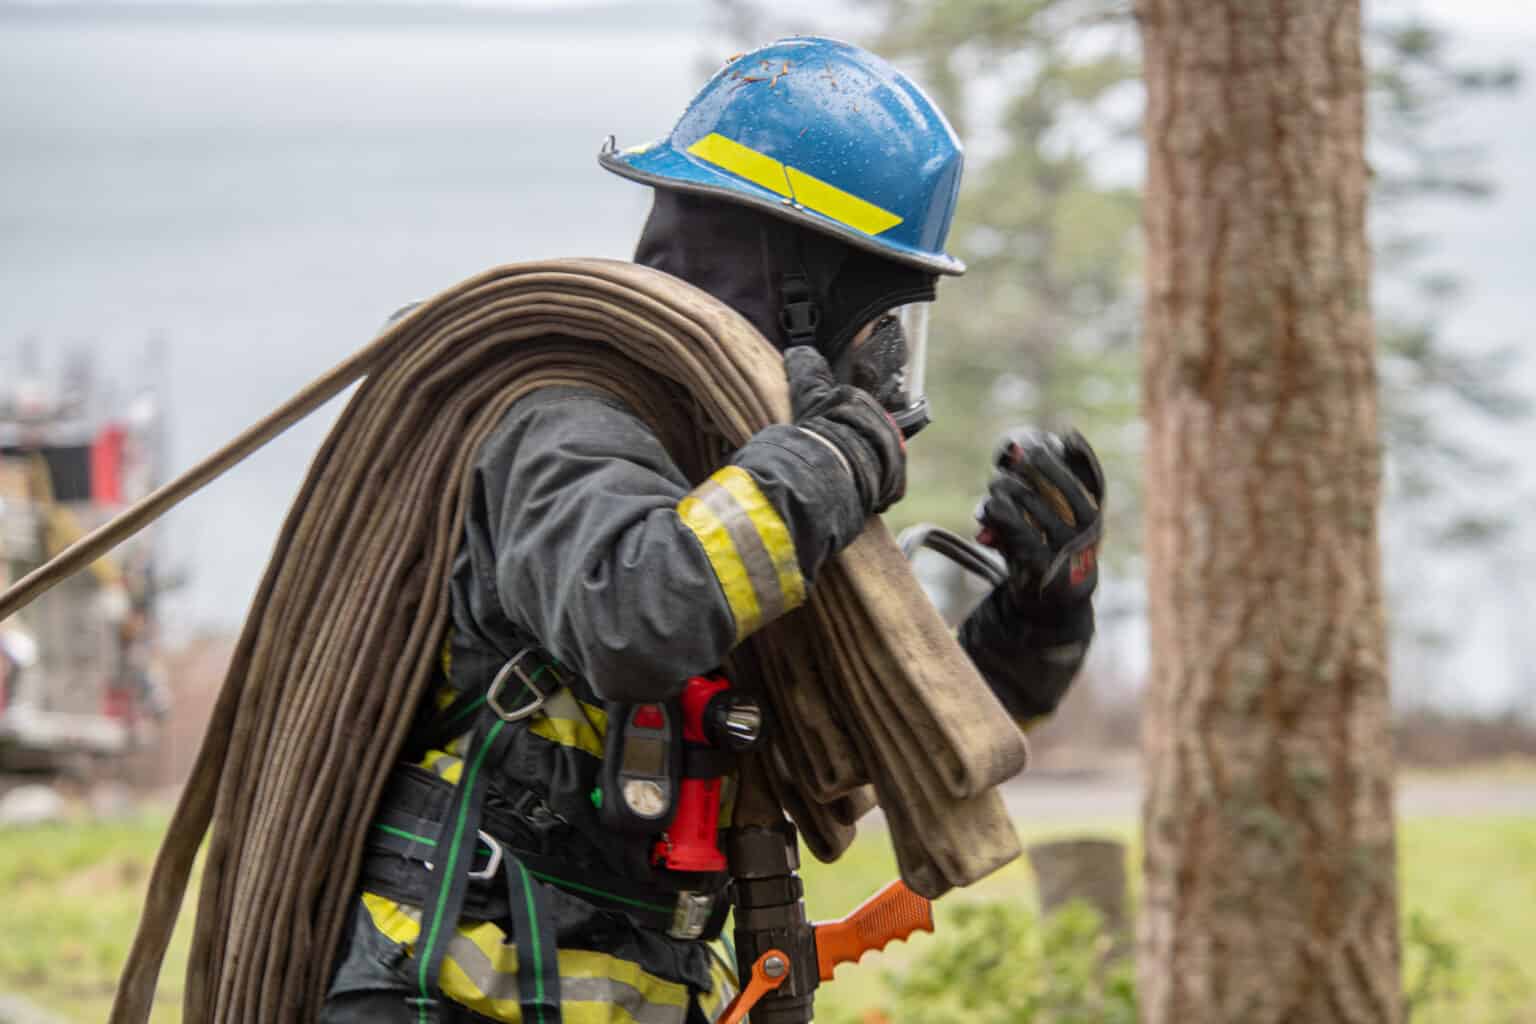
867 441
1043 512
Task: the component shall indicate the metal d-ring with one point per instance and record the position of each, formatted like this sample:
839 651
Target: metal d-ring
514 667
490 869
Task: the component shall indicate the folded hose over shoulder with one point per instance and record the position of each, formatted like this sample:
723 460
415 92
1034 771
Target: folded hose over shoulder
867 683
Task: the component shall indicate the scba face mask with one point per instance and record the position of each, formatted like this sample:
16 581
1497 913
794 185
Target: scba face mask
890 363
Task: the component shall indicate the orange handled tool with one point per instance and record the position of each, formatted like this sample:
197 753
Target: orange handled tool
890 915
768 972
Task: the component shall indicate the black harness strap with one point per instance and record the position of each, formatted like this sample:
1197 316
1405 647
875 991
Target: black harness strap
454 845
538 962
396 835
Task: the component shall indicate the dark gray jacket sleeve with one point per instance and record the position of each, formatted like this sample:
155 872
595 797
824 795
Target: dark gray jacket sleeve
1027 656
574 535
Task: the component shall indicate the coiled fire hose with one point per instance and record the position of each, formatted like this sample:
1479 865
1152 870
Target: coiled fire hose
866 681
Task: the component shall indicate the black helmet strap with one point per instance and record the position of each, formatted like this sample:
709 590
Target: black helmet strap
798 313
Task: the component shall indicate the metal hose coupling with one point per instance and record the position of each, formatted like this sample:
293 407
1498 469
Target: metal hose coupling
770 914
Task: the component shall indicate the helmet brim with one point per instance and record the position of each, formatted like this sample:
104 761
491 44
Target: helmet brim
662 166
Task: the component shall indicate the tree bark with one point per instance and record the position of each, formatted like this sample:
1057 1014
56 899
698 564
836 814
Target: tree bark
1270 856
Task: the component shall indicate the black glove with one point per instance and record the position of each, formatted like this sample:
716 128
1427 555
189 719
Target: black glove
852 423
1042 511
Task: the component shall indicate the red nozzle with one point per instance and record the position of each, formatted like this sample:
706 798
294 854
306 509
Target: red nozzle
692 840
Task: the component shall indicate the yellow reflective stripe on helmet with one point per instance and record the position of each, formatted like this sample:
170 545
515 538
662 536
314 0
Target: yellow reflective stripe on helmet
480 972
806 190
726 562
571 723
844 207
742 161
771 530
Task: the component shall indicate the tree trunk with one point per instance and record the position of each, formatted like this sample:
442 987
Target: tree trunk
1270 875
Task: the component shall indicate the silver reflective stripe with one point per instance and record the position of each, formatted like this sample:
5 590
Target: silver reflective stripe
1064 654
754 556
607 991
501 986
834 449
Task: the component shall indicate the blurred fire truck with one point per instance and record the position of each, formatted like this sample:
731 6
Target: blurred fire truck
80 681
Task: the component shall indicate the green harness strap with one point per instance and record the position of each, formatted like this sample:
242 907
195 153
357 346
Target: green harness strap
538 968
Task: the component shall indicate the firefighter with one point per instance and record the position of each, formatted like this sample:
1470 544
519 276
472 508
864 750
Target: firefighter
810 187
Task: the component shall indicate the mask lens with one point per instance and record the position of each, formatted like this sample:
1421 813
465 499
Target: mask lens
914 326
890 361
913 318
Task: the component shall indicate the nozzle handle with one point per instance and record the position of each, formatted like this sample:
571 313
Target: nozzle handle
769 971
890 915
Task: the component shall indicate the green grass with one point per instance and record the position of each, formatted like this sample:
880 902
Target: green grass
1474 882
73 896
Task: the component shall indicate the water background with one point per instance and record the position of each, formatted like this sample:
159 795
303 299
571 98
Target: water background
260 188
258 185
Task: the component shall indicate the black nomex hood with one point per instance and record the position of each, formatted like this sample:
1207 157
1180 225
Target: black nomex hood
759 264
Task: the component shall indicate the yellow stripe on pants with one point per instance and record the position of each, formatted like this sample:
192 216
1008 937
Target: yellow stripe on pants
480 972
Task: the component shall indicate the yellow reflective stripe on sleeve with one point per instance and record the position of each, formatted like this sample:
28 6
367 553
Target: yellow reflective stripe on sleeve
571 723
748 546
480 972
804 189
771 529
726 562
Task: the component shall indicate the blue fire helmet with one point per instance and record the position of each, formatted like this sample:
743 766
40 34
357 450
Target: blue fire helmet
823 134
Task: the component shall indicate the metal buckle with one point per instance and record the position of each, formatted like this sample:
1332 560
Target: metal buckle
492 866
514 667
691 914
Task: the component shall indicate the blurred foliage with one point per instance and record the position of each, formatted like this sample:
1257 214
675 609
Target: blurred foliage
1438 397
998 963
1430 963
1043 328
